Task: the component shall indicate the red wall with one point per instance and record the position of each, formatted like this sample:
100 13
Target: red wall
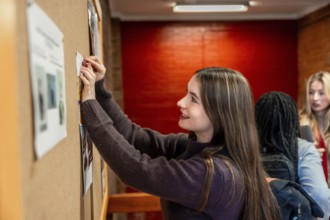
158 59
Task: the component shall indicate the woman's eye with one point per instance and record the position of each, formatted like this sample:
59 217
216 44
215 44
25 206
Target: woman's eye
193 100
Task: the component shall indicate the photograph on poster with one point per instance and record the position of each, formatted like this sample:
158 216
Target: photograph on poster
103 187
94 29
41 111
51 79
87 158
60 97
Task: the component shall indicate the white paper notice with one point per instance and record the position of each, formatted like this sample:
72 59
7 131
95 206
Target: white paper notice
47 77
85 141
79 61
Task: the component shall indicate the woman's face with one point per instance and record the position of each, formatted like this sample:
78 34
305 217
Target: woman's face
317 97
193 116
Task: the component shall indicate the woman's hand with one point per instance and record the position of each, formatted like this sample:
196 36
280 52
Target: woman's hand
88 77
98 68
320 150
270 179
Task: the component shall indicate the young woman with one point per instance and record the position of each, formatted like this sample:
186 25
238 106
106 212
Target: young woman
213 173
316 114
278 126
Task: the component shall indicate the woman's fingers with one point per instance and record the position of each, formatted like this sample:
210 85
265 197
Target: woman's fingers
88 79
89 66
83 79
96 58
97 67
269 179
321 151
96 64
88 73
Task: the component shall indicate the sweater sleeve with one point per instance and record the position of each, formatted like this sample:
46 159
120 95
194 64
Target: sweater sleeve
176 180
144 139
311 175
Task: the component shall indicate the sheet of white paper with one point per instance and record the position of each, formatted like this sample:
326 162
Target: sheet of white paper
79 60
85 141
47 77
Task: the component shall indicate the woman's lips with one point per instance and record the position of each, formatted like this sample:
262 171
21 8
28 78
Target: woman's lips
183 116
315 105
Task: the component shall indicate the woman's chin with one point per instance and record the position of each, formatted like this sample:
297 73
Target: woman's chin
182 125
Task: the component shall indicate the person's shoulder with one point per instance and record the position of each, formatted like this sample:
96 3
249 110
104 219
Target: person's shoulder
227 173
302 143
181 138
305 147
227 166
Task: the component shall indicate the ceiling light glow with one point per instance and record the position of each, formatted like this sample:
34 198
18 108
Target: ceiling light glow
210 8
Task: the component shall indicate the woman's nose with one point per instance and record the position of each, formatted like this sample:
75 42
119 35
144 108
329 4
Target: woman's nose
180 103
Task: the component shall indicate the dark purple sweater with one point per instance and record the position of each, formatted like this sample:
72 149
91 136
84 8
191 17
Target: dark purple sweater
168 166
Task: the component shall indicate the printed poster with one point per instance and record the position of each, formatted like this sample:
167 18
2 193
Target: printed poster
46 55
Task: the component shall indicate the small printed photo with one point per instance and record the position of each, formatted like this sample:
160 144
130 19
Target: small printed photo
103 178
87 157
93 28
60 97
83 138
41 100
89 149
52 103
61 112
86 147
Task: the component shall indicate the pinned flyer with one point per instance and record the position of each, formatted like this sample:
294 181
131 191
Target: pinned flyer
46 56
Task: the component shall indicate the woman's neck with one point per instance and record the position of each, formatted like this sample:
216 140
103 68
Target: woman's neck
203 138
320 118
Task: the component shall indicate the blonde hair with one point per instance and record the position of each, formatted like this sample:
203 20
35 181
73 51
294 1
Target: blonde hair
307 116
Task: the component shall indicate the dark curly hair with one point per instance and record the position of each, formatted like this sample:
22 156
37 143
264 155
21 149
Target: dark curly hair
278 125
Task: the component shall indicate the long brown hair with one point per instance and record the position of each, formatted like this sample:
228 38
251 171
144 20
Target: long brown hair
228 102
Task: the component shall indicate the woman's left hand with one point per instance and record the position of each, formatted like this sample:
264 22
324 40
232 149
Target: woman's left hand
270 179
88 77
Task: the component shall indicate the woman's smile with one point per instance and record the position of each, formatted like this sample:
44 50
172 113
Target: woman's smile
183 117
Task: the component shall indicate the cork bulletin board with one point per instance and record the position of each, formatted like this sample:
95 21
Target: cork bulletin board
51 185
